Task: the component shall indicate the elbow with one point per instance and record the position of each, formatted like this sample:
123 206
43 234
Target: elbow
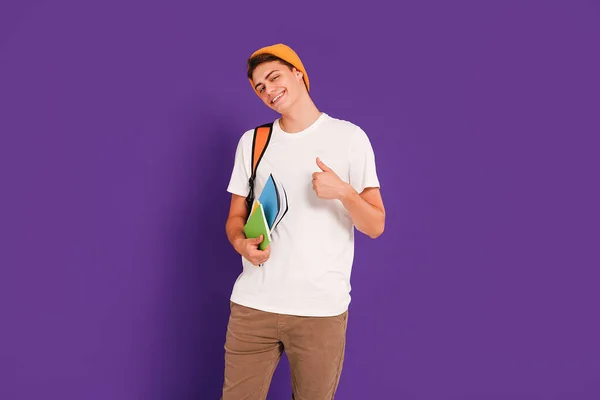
377 231
376 234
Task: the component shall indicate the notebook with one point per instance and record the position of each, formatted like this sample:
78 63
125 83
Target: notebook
274 201
257 225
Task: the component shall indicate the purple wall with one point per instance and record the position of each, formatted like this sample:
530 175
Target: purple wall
118 124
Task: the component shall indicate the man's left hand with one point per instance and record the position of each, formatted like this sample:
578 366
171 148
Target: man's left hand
327 185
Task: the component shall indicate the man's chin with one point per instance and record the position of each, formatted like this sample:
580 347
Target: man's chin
278 109
281 108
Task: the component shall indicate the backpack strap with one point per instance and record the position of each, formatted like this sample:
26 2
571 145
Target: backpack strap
262 136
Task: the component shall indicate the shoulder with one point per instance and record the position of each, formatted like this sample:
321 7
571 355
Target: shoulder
247 137
350 129
340 123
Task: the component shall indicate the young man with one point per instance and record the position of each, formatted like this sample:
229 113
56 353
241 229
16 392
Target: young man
294 295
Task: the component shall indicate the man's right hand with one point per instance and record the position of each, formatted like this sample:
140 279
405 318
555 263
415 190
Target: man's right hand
234 226
248 248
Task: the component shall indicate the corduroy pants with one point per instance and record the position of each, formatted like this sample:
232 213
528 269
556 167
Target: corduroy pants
254 344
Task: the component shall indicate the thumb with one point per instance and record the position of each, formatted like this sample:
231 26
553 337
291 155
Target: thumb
258 240
321 165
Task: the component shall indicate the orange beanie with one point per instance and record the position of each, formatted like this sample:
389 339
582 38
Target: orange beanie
287 54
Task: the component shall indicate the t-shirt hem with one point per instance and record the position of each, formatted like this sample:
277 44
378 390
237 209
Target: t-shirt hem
372 184
238 191
302 312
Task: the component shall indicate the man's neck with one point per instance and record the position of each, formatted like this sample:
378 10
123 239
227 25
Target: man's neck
303 115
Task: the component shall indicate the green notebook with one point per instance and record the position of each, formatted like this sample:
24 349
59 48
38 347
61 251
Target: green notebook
257 225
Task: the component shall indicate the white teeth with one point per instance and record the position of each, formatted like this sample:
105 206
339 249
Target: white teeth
276 98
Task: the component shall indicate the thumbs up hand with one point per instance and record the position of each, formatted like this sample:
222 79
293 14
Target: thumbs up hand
327 184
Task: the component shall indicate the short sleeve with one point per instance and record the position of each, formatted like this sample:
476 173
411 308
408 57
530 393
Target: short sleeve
238 182
363 171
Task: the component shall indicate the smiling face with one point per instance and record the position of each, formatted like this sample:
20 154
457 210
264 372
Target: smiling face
278 85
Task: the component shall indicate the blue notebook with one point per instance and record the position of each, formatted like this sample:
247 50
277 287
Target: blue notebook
269 198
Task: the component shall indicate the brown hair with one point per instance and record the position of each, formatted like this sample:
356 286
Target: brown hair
258 59
255 61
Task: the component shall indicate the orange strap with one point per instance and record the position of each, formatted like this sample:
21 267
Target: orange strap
262 135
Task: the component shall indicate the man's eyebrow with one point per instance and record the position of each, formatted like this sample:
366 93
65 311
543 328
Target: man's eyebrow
266 77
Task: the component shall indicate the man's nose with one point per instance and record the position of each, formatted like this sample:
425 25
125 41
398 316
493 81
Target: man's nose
270 88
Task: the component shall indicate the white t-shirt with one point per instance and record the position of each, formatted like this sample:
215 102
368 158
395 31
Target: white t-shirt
312 248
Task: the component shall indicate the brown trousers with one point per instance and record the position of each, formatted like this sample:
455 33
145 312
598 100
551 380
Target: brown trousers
256 339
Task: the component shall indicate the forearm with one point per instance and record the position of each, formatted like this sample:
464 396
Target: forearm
367 218
234 228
